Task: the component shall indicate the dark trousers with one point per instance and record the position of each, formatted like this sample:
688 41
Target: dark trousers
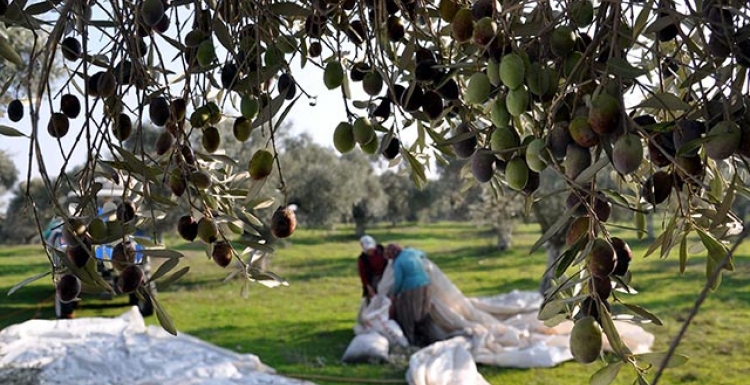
412 313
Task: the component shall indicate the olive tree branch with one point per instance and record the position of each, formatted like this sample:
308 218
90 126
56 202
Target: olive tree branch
698 302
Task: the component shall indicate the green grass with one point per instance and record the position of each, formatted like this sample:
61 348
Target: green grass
303 329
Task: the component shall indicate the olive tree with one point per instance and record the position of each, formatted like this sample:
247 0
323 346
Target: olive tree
398 187
25 44
8 172
656 89
499 211
325 187
454 196
20 226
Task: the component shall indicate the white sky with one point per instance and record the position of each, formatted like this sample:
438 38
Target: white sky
319 121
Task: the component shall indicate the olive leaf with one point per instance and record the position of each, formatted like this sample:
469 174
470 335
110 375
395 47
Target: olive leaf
643 313
664 101
27 281
164 268
607 374
9 53
613 336
623 68
164 319
656 359
10 131
170 279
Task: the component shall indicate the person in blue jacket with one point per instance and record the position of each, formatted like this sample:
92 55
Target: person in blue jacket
410 293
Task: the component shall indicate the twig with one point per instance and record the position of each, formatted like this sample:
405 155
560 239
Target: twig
698 302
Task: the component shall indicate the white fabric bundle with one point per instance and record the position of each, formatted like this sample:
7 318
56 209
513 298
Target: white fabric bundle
124 351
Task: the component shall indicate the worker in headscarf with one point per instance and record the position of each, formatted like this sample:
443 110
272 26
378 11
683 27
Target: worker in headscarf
371 264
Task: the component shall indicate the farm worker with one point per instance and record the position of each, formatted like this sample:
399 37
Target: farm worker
411 293
53 227
371 264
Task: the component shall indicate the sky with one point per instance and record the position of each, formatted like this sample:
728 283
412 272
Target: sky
318 117
318 121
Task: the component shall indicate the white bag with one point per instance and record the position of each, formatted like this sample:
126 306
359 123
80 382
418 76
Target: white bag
374 317
391 330
367 347
446 362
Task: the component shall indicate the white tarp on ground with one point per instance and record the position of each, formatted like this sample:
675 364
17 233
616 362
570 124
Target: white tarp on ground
446 362
124 351
500 331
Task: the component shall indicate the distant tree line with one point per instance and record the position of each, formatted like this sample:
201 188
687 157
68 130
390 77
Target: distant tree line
327 189
330 189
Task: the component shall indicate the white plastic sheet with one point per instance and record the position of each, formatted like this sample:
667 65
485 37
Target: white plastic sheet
124 351
446 362
367 347
502 330
373 317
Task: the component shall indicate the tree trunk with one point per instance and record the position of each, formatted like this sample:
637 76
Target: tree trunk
504 238
359 214
359 227
650 226
547 216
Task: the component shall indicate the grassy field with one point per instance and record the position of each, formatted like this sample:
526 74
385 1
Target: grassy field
303 329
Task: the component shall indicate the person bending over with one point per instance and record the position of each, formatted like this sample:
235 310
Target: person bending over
410 293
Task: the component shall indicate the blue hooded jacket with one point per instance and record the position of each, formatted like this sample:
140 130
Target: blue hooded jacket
409 271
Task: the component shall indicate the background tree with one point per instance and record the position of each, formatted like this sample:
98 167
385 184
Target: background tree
28 199
548 212
372 199
8 172
13 81
501 210
398 188
430 203
326 187
454 195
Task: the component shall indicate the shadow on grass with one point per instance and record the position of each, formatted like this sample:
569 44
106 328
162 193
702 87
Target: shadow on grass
189 246
274 345
319 267
695 271
729 292
24 267
518 284
410 239
116 302
452 260
194 284
27 295
299 349
33 301
20 251
323 238
457 258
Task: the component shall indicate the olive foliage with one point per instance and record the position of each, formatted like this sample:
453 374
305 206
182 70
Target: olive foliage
12 81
